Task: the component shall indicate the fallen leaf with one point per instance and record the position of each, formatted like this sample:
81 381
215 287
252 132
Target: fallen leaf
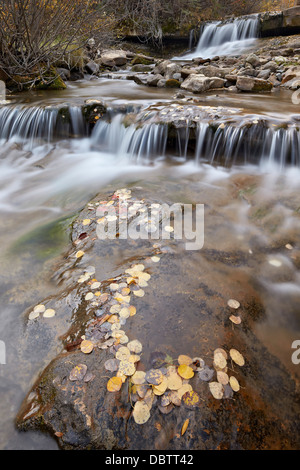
232 303
78 372
114 384
237 357
141 412
185 371
49 313
191 399
234 384
86 347
235 319
216 390
184 427
182 359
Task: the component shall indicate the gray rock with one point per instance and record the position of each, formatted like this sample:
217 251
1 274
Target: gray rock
253 59
92 68
211 71
114 58
171 70
161 67
141 68
264 74
154 79
253 84
65 74
271 65
161 83
199 84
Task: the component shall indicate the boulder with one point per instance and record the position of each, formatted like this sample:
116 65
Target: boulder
211 71
114 58
141 68
200 83
253 59
264 74
291 73
92 68
186 71
161 67
142 60
153 80
171 70
65 74
253 84
271 65
172 83
291 17
161 83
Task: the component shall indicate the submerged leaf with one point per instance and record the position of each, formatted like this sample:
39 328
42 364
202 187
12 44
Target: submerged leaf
141 412
184 427
216 390
114 384
237 357
86 346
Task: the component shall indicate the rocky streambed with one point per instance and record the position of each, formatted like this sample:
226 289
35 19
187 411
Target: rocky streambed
149 340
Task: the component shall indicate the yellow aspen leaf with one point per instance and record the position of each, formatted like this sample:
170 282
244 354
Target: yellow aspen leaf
235 319
86 346
141 412
79 254
216 390
191 399
182 359
114 384
237 357
132 310
185 371
234 384
184 427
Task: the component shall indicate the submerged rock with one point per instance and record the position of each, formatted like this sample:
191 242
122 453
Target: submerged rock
71 400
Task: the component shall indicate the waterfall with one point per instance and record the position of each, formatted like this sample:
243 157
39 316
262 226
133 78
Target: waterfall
225 38
138 143
257 144
225 143
35 124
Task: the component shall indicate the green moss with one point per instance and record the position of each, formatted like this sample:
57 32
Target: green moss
47 241
141 60
50 81
172 83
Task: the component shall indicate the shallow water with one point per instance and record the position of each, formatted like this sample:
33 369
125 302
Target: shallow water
252 211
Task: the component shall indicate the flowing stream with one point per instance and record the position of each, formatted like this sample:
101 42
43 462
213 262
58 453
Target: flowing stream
249 183
230 37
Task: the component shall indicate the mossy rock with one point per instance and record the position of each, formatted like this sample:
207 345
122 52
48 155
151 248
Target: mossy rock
141 60
141 68
50 81
172 83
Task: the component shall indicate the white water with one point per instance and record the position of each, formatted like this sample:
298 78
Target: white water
230 38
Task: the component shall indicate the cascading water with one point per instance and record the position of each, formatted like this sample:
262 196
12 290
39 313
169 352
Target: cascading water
242 142
32 125
225 38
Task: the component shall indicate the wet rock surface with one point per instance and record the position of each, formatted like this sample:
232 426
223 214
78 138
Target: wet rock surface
183 311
